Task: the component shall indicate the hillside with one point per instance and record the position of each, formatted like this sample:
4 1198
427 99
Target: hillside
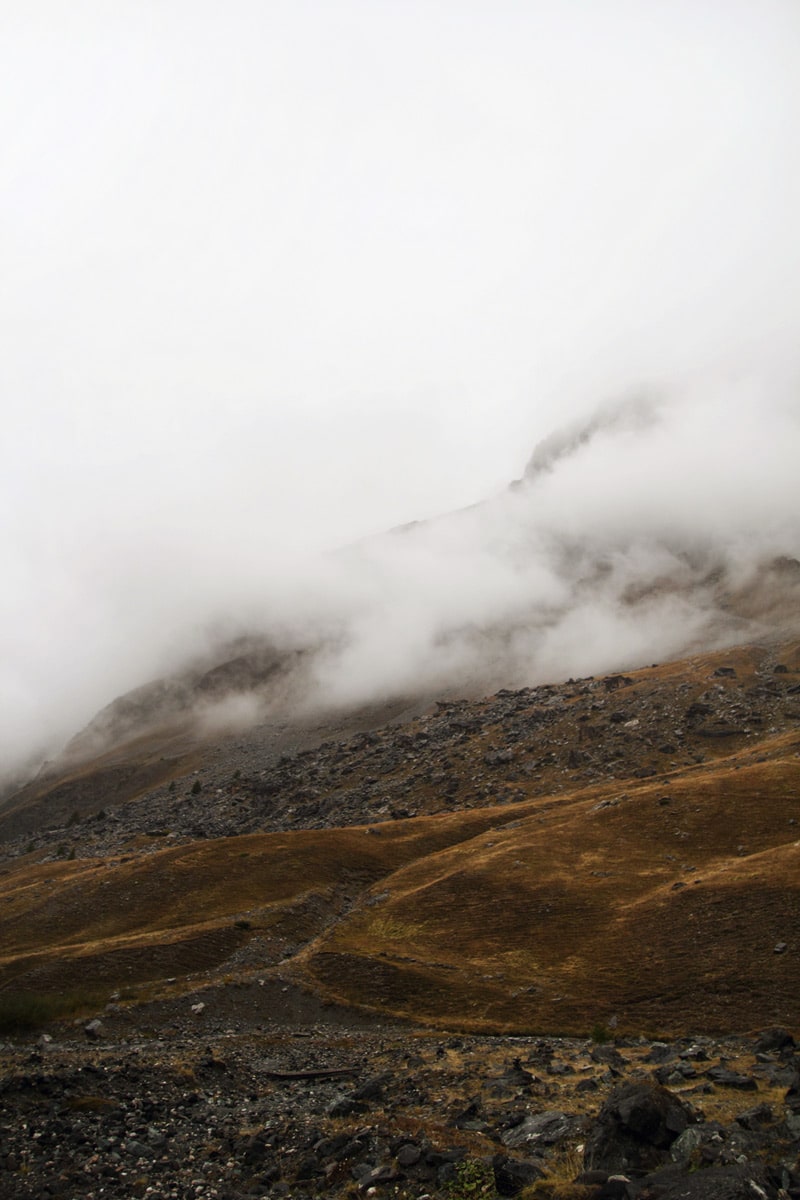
510 946
539 860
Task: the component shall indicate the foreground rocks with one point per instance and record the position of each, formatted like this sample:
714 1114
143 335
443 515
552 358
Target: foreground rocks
149 1105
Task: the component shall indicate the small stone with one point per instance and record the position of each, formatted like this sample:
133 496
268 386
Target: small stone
408 1155
732 1079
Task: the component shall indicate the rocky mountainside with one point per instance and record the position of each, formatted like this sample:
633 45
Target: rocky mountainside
403 758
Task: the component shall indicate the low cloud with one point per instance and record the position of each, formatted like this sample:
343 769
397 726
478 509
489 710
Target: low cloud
637 534
657 524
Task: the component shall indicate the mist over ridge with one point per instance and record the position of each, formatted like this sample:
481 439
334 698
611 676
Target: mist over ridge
635 534
648 530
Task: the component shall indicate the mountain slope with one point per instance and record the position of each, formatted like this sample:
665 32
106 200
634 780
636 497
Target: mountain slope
536 860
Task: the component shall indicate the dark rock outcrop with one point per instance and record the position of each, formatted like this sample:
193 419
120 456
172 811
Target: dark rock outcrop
635 1129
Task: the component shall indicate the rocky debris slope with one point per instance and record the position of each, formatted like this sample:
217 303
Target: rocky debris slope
463 754
170 1103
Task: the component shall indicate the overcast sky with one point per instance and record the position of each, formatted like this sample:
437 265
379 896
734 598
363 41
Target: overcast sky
276 275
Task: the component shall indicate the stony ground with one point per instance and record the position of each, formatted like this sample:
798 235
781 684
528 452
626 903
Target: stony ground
206 1095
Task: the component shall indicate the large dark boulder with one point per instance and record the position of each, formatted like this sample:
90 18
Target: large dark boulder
511 1175
775 1040
542 1129
792 1098
635 1129
738 1181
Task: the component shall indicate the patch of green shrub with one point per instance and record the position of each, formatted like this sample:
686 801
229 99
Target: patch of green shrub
472 1178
